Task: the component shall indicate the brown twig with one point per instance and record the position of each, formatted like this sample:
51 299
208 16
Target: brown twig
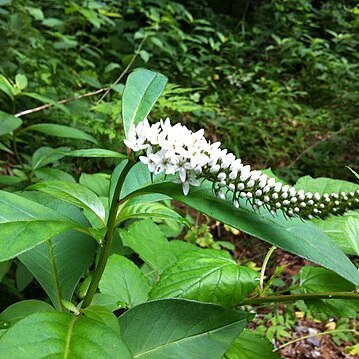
48 105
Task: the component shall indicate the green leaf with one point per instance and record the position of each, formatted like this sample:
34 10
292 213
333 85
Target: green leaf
146 239
45 155
56 264
53 129
97 182
143 88
21 81
325 185
4 268
46 100
179 329
299 237
145 210
316 280
63 335
53 174
207 275
124 281
23 277
25 224
95 152
20 310
343 230
8 123
73 193
251 346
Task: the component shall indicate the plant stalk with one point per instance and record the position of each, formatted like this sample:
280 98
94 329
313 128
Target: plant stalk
264 267
107 242
304 296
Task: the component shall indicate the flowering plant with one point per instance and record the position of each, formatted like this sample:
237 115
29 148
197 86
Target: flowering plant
181 301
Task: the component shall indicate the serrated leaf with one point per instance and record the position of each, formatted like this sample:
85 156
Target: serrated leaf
8 123
52 129
192 329
124 281
73 193
25 224
249 345
143 88
207 275
146 239
63 335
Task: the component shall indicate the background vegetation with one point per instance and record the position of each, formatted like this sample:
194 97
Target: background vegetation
275 81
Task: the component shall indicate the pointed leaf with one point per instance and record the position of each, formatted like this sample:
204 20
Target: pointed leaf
143 88
299 237
24 224
45 155
73 193
146 239
63 335
124 281
56 130
95 152
8 123
207 275
176 328
251 346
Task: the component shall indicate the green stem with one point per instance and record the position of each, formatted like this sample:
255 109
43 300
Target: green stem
304 296
264 266
315 335
107 242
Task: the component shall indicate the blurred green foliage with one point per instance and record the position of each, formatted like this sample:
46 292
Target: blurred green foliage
276 80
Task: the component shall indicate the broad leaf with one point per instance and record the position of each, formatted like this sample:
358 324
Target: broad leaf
325 185
63 335
299 237
97 182
53 174
56 130
180 329
56 264
124 281
25 224
8 123
316 280
338 228
143 88
20 310
343 230
73 193
207 275
146 239
251 346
